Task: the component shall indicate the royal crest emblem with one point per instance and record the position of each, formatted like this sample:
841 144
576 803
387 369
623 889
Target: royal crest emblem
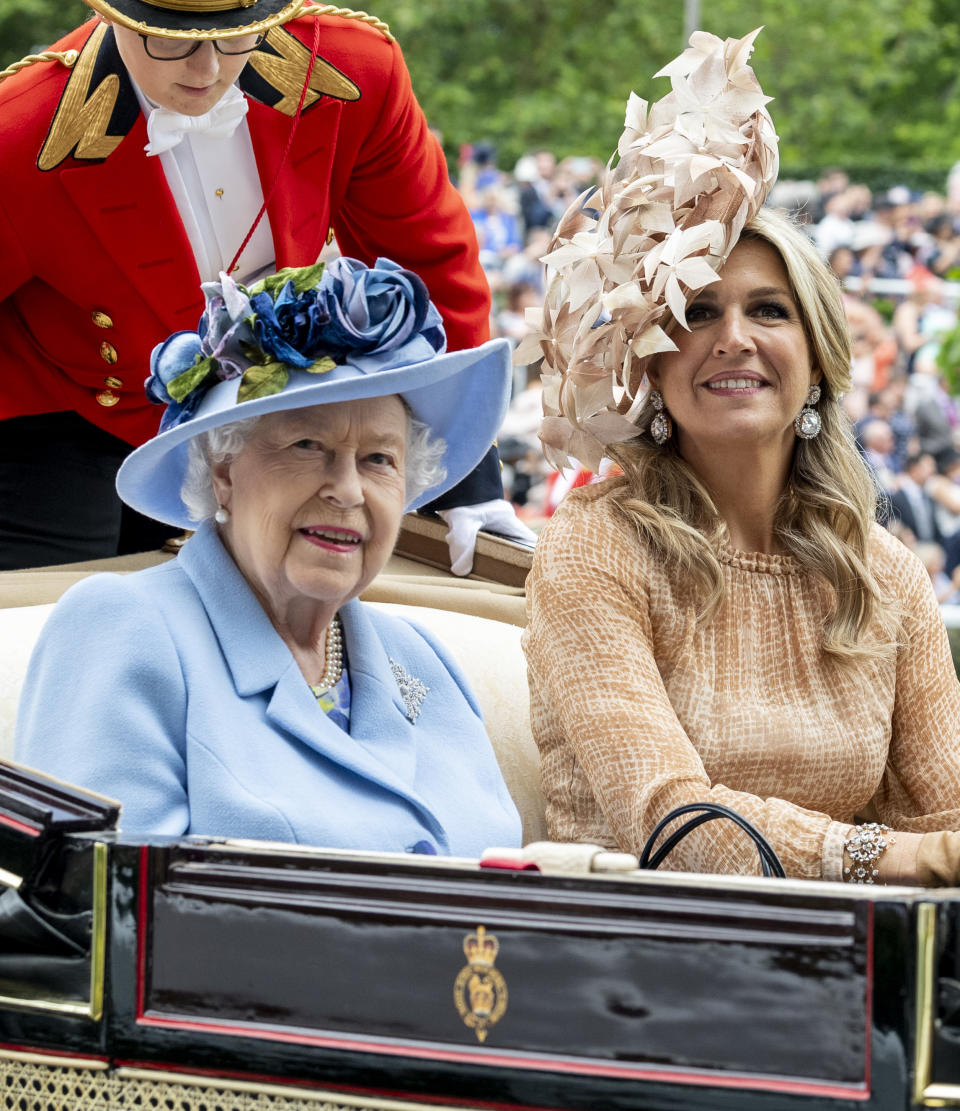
480 991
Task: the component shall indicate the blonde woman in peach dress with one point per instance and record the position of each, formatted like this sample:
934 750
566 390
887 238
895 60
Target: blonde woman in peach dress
725 622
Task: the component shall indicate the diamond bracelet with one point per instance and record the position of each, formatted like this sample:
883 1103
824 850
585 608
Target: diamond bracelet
864 847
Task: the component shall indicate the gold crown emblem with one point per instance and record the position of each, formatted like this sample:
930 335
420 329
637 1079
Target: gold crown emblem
480 991
481 948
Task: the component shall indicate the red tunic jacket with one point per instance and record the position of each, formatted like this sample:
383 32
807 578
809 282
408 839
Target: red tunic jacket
95 266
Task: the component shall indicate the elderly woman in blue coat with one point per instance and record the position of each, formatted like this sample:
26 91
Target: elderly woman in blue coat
242 689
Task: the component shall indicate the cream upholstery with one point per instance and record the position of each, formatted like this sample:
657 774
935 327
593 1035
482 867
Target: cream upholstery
487 650
19 628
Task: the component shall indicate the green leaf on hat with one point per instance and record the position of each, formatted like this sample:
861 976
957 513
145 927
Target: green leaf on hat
306 277
269 284
321 366
303 278
254 354
187 382
261 381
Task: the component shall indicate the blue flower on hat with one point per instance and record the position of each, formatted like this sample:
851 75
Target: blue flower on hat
289 324
168 361
309 318
378 309
225 330
187 364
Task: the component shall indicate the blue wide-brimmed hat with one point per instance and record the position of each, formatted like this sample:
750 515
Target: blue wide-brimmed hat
310 336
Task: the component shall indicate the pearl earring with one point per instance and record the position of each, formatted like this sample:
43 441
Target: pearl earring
661 426
807 422
222 515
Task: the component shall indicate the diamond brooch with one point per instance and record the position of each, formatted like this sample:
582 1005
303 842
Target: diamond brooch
412 690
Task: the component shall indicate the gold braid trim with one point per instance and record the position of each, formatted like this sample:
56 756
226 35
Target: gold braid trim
347 13
67 57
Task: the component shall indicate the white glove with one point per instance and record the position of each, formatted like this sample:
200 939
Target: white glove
465 521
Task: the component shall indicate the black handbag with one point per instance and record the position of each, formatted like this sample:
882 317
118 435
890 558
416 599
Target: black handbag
706 812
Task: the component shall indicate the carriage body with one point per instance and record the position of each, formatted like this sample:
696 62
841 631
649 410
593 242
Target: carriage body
215 973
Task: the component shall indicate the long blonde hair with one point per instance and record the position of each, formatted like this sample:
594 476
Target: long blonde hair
824 516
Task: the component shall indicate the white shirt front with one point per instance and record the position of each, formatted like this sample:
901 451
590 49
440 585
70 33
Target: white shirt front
216 188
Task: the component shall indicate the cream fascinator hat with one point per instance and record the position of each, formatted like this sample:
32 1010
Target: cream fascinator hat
629 255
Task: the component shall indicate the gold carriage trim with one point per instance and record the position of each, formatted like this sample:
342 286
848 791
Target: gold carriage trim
926 1093
92 1007
37 1081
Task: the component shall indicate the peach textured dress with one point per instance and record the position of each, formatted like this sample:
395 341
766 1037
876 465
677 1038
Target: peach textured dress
637 710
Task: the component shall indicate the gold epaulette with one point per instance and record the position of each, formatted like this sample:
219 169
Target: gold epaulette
66 57
282 62
79 126
347 13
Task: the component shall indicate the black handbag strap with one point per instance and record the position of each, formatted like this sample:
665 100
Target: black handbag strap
707 812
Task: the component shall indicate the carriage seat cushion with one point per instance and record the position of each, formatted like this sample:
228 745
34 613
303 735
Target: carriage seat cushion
487 650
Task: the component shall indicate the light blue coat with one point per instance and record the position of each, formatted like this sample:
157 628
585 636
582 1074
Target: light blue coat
170 690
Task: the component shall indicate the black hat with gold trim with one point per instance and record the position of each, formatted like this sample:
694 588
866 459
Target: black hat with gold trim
197 19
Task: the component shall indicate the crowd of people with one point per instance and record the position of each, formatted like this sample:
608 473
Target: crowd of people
897 253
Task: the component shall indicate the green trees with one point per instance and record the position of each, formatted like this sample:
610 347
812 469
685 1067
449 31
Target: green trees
872 85
553 73
27 26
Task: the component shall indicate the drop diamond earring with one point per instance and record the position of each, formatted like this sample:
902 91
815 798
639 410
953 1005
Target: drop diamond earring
807 422
661 426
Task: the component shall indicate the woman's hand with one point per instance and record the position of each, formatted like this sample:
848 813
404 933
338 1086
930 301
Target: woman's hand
918 860
938 860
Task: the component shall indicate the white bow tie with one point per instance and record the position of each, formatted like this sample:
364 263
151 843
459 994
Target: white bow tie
165 129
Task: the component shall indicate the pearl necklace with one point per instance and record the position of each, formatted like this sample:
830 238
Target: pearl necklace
333 656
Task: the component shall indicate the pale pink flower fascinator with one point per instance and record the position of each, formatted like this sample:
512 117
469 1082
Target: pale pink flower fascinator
628 256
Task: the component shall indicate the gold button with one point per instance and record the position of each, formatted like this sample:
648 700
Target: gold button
101 319
107 398
108 352
113 383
